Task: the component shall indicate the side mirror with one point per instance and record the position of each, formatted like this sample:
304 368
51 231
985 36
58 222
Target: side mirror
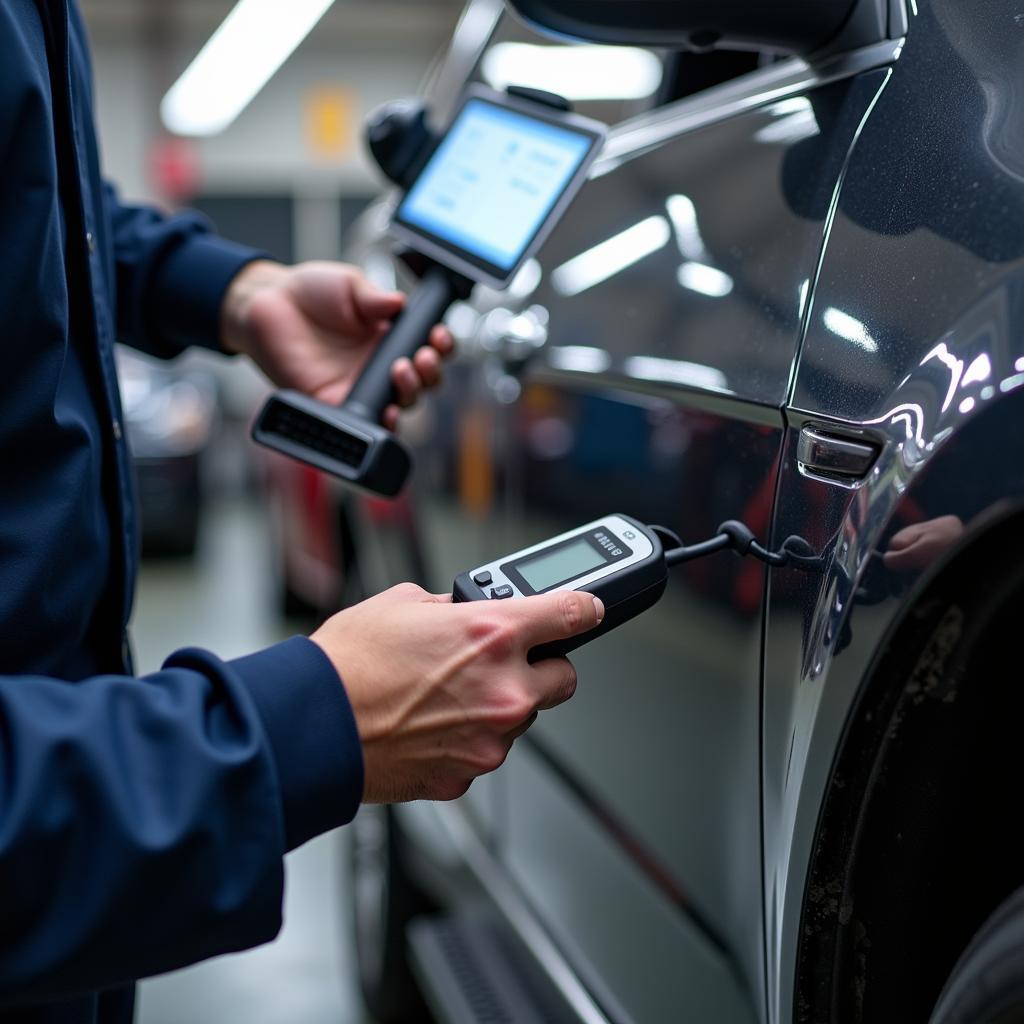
399 137
784 26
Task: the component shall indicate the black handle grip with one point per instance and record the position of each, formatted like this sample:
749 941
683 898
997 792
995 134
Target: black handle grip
426 306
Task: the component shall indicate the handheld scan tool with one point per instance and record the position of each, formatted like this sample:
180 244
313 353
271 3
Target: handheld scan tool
495 185
615 558
622 562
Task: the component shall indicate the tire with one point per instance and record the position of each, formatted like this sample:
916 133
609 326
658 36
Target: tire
987 983
384 901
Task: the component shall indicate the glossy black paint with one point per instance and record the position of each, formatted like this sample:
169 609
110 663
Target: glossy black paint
930 218
748 199
914 335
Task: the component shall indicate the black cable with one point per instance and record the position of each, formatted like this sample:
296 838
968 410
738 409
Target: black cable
687 554
665 533
795 552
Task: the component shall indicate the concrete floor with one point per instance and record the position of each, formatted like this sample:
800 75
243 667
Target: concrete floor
224 600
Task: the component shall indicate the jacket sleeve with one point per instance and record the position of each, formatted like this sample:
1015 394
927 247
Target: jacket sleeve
171 274
143 821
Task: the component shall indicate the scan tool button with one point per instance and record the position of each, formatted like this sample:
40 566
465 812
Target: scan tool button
499 593
483 579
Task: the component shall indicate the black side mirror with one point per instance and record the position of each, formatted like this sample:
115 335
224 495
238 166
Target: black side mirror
783 26
400 138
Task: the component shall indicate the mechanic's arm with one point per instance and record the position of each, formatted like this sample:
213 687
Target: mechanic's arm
308 327
143 822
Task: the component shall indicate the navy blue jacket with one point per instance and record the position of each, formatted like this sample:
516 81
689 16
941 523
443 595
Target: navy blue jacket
142 821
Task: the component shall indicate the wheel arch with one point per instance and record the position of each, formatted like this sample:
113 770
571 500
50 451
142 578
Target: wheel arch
920 756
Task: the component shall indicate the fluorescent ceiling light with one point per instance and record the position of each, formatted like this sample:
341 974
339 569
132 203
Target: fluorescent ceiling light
795 121
979 370
850 328
684 219
790 129
256 38
793 105
699 277
612 256
954 365
677 371
581 358
911 415
527 281
575 72
805 287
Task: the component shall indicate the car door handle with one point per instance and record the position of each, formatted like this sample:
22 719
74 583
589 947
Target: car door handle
822 453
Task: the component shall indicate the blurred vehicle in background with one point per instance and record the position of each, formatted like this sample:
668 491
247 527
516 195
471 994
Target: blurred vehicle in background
170 412
310 537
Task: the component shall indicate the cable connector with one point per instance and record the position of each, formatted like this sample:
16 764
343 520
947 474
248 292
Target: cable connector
795 553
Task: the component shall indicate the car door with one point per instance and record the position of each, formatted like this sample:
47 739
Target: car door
672 296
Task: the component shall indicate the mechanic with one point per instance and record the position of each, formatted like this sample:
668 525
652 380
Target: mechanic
143 822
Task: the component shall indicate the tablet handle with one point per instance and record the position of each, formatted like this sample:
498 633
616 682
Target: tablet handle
425 307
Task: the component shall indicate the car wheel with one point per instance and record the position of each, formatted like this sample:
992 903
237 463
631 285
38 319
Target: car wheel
384 901
987 983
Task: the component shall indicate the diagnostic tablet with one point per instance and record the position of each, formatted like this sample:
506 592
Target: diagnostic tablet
496 184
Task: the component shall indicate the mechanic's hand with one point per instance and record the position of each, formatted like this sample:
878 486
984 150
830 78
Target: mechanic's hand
313 326
440 691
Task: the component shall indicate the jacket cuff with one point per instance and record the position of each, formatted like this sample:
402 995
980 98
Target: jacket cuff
312 731
190 289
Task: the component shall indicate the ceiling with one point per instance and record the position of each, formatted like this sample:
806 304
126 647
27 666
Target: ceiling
384 24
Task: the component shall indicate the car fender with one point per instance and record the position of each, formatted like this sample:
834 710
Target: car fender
948 462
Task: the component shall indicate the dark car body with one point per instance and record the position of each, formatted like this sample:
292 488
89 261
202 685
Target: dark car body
781 794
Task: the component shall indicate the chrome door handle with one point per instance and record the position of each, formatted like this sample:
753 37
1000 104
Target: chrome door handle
830 455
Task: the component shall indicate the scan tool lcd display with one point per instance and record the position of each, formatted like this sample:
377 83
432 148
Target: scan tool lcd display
497 182
565 563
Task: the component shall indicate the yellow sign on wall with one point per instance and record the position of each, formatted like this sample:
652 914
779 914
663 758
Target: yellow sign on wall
330 118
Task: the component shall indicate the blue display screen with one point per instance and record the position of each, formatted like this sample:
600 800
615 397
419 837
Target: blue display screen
492 182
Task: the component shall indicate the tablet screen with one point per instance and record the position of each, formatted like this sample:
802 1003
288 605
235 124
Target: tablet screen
493 181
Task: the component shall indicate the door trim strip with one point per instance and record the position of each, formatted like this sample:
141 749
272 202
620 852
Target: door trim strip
755 89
